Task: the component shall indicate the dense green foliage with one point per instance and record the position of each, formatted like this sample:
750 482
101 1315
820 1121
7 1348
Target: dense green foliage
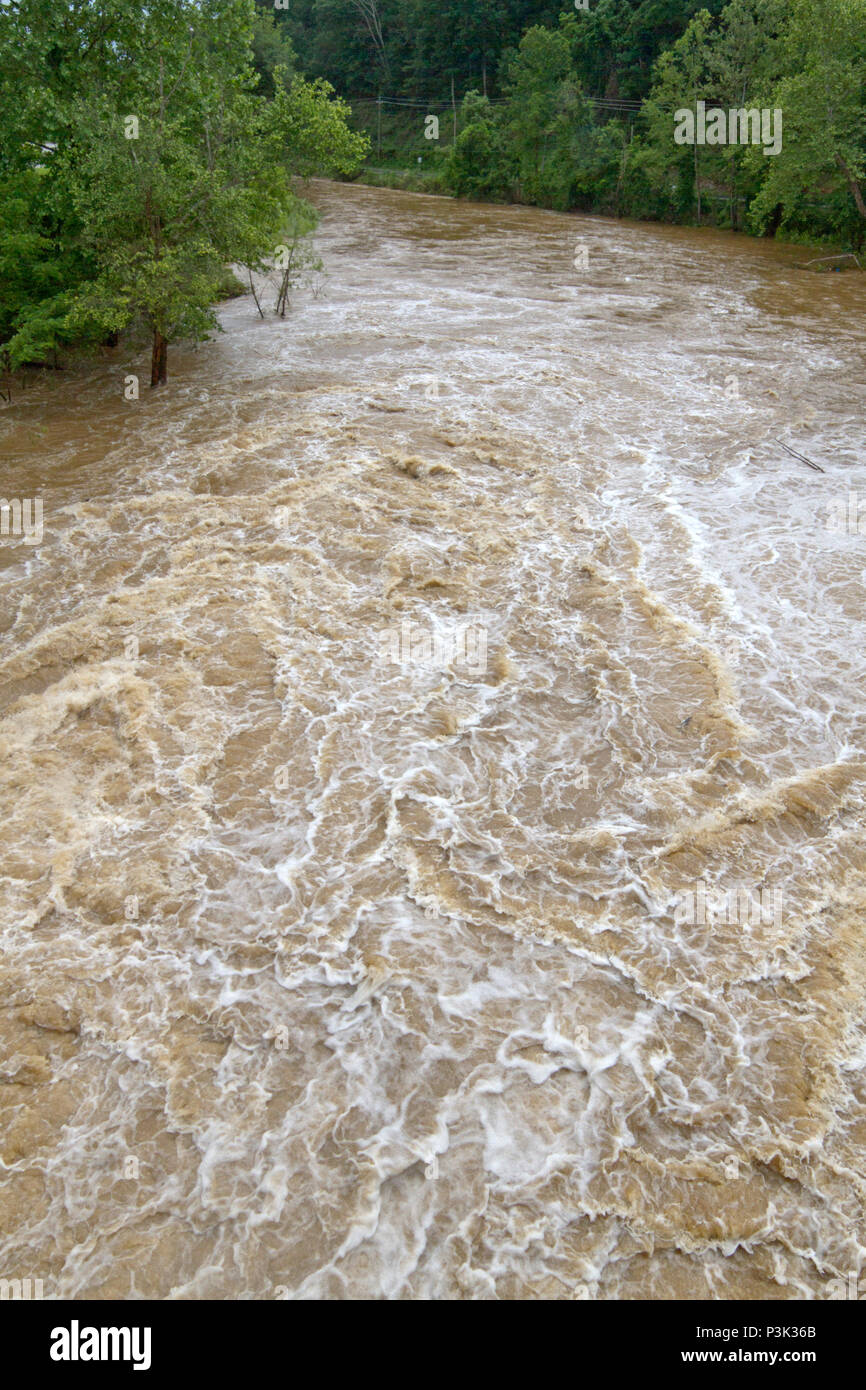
411 48
543 90
140 154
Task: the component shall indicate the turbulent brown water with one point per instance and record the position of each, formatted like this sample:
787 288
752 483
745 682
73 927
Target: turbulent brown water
331 969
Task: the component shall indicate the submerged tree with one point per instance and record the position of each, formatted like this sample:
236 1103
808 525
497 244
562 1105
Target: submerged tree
169 164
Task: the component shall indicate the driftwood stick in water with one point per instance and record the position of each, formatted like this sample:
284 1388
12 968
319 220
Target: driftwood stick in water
801 457
844 256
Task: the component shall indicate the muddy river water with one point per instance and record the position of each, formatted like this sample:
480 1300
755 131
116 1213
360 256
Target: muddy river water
432 779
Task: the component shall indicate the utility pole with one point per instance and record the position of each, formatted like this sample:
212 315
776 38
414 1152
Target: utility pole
379 136
454 108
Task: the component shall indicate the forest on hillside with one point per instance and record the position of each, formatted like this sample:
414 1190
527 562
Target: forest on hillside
572 106
409 49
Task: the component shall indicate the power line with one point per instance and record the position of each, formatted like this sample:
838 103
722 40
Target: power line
607 103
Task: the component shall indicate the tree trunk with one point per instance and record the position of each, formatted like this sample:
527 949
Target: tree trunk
853 184
285 286
255 296
158 359
5 378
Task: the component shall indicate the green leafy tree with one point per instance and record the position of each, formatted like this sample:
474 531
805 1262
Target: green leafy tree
540 90
682 77
823 98
272 49
743 58
168 163
727 62
615 43
480 163
540 143
35 274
